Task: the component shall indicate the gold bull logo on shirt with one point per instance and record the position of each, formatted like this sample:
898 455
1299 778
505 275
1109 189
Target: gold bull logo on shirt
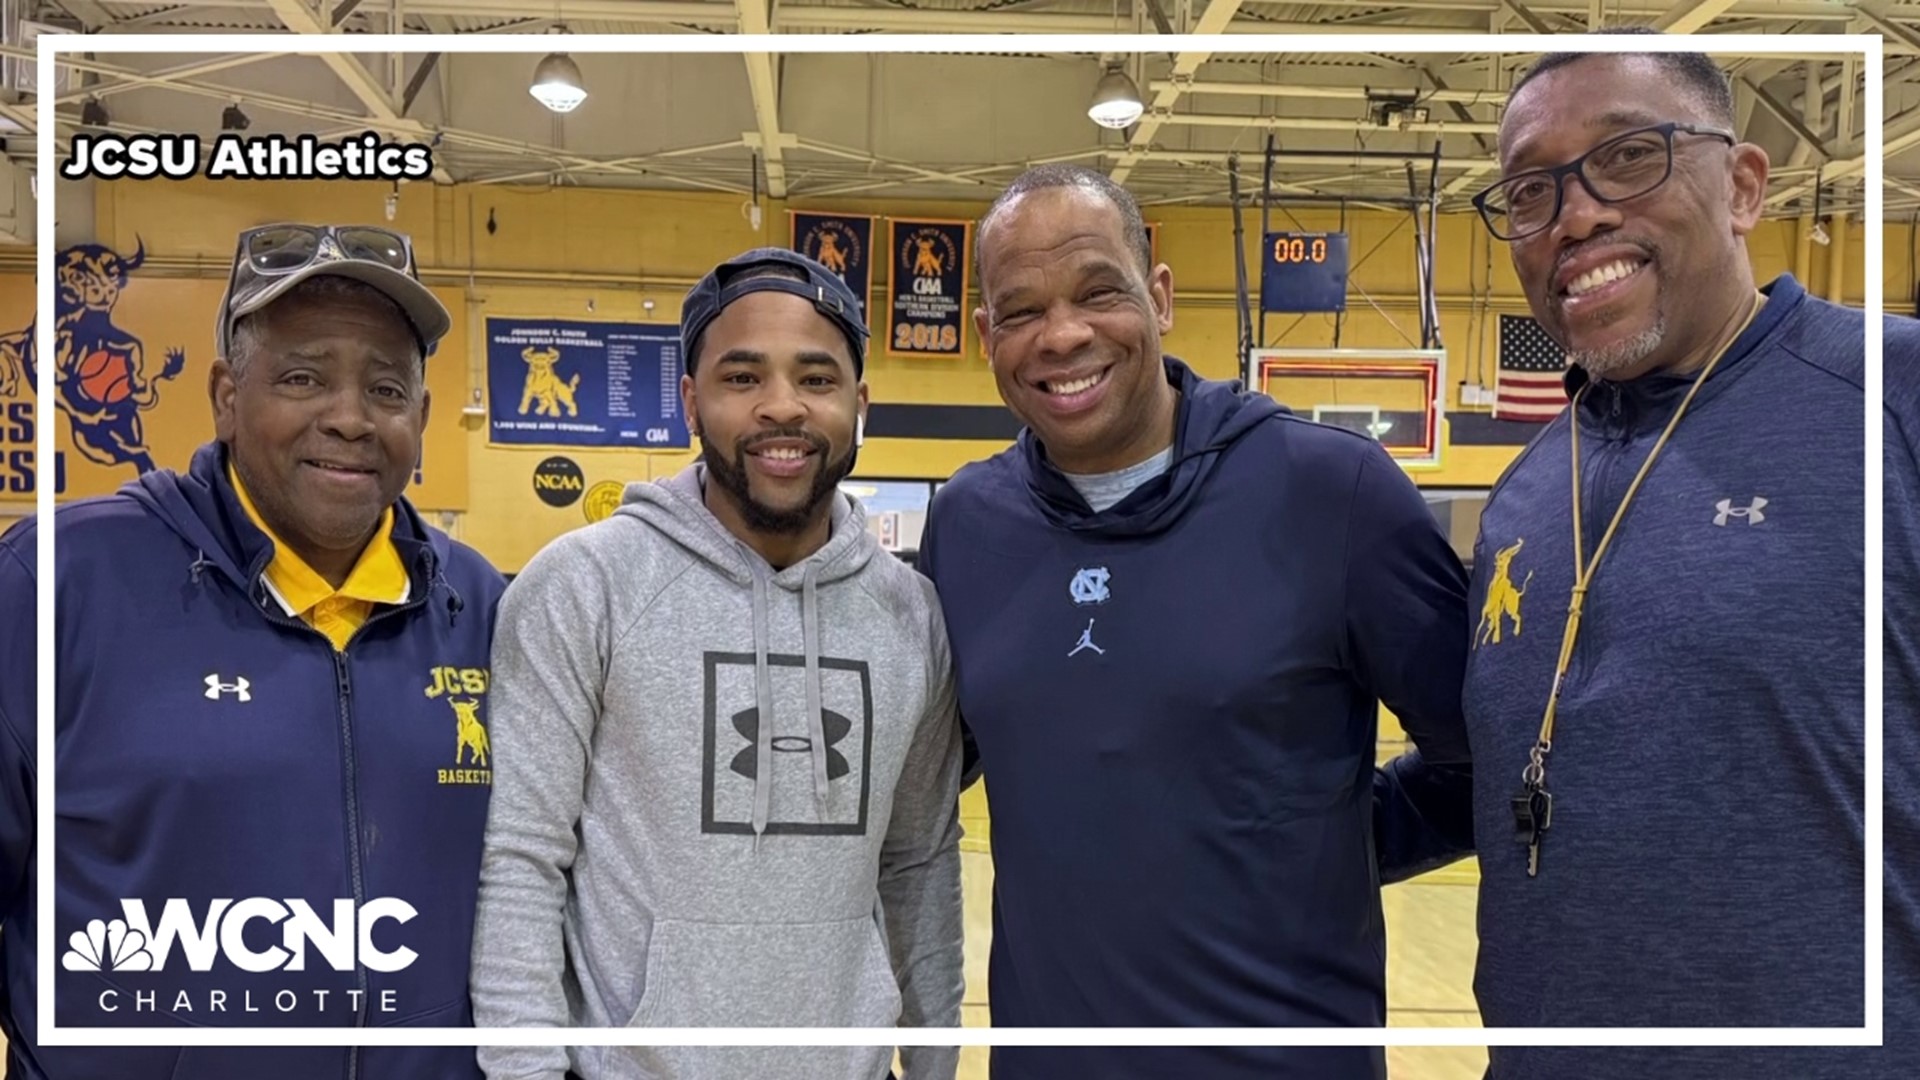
1503 598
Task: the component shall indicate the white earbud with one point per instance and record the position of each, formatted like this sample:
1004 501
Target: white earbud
859 430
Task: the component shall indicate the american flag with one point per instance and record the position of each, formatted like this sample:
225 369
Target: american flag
1528 385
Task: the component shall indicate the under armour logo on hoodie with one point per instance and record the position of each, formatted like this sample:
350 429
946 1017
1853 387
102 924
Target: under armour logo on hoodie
238 687
1751 511
747 723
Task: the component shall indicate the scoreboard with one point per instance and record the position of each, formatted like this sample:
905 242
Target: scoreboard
1303 272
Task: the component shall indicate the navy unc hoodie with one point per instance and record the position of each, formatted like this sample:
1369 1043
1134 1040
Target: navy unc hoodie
1174 705
215 755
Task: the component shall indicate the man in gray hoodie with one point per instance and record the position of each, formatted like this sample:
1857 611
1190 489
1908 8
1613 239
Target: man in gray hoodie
728 759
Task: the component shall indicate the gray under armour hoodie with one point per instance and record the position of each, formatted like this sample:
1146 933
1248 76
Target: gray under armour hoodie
722 796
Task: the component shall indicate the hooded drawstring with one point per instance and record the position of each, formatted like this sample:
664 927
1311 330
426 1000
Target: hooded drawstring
200 562
763 678
763 731
816 721
455 605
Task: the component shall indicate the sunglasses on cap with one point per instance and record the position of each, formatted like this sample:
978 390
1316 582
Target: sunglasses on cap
282 249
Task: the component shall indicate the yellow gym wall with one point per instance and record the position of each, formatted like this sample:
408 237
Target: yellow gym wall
598 254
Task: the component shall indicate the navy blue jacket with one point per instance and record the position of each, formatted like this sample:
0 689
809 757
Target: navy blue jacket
1184 819
210 746
1705 864
1900 721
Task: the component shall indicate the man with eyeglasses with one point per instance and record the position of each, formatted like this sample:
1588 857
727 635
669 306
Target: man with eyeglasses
1669 806
273 772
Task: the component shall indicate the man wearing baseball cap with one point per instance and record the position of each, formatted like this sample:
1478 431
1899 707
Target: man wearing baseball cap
271 702
729 759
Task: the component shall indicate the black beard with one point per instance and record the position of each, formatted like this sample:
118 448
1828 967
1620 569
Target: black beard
760 517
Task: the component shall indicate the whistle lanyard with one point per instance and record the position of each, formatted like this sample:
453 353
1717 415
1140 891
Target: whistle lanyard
1533 807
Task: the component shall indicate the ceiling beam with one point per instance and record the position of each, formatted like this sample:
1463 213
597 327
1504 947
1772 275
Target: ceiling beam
1688 16
1785 115
1327 123
1900 134
764 84
92 15
163 76
303 20
1336 93
1215 19
724 15
414 85
400 126
1526 15
1460 113
1877 15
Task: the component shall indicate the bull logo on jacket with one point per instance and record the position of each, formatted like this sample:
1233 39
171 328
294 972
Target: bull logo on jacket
462 689
1503 597
101 370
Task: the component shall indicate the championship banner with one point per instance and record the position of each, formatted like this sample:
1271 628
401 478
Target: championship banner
553 382
843 243
927 287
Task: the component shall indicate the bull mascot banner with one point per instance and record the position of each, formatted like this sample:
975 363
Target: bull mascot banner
130 352
564 383
927 288
843 243
107 378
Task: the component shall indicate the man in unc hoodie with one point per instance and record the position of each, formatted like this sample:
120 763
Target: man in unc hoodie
263 668
1175 608
734 759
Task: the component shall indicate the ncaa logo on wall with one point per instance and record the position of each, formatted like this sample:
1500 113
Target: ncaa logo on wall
559 482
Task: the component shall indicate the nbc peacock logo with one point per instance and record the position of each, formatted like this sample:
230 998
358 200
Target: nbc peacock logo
107 946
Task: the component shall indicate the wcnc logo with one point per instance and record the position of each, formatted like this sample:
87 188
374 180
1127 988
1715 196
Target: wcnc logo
135 944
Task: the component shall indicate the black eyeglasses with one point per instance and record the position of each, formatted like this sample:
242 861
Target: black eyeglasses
1624 167
282 249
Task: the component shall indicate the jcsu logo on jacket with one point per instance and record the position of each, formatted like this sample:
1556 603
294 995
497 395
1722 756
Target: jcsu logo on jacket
136 944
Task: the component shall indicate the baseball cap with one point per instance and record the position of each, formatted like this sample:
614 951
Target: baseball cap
830 295
271 260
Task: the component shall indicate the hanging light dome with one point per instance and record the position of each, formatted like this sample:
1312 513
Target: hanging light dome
1116 101
557 83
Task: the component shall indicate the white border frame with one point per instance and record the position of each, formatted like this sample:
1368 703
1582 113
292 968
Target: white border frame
51 46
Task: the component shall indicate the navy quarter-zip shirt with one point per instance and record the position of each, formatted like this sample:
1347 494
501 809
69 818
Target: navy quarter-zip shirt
1175 702
1705 863
213 751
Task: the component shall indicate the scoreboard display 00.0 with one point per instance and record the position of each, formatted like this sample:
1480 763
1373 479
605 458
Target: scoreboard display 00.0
1303 272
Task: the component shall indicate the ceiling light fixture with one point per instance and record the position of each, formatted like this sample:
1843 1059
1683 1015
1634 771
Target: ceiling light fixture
557 83
1116 100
